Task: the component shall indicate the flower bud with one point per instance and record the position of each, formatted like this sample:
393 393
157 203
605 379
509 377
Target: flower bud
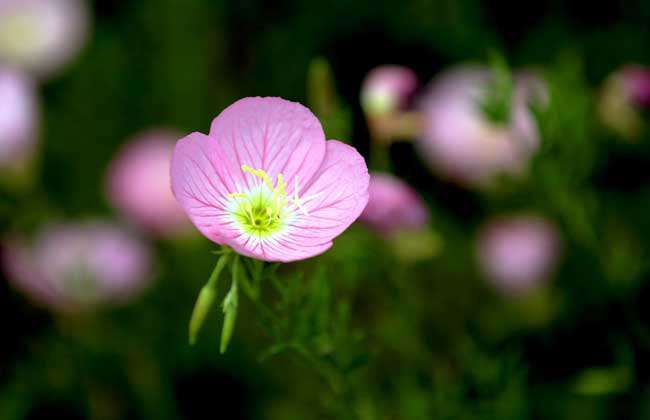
206 300
387 89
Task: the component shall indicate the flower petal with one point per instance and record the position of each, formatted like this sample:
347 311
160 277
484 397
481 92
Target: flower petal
202 177
283 250
272 134
338 193
335 198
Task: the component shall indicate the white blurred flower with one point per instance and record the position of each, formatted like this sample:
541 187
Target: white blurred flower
41 36
460 142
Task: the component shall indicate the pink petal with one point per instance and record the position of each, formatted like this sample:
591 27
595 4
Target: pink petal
18 117
341 190
272 134
202 177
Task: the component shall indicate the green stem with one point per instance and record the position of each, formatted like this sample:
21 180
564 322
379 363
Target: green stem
379 156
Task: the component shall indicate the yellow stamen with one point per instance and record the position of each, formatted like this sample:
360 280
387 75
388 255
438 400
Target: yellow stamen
260 174
237 195
265 209
281 184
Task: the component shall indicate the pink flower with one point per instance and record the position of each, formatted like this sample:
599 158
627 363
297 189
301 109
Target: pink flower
387 89
518 253
18 118
636 80
138 183
393 205
458 139
622 98
74 266
41 36
266 183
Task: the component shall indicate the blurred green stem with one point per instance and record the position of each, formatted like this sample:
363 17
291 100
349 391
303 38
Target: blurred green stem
379 156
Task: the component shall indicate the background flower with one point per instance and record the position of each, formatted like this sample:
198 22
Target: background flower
518 253
74 266
41 36
393 205
637 84
387 89
624 95
138 183
18 118
460 142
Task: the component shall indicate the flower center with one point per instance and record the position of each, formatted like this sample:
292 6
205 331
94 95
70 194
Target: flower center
265 209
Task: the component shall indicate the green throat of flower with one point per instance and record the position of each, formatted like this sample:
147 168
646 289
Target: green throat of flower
266 209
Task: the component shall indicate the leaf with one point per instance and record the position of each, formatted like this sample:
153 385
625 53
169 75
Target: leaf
272 351
358 362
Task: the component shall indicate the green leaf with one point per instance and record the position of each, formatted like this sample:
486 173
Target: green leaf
496 103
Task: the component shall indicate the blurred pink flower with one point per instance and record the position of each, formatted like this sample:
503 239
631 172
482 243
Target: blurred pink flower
73 266
138 183
636 80
458 139
518 253
18 118
393 205
266 183
622 98
41 36
387 89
